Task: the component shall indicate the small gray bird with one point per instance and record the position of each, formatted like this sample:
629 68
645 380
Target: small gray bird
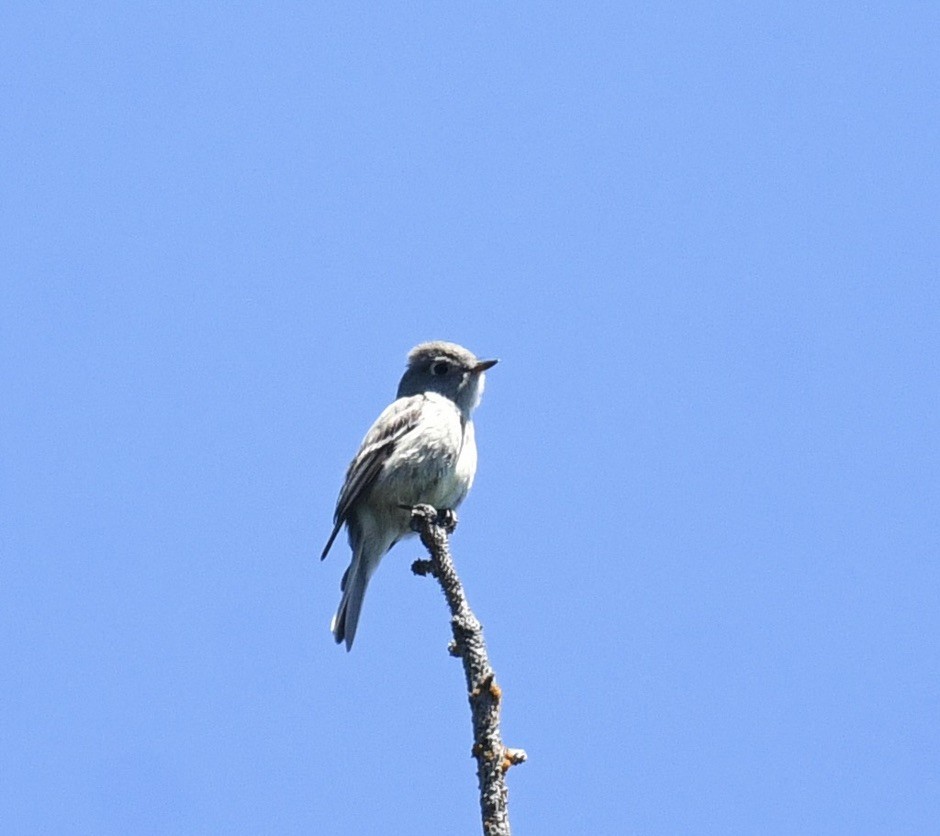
421 449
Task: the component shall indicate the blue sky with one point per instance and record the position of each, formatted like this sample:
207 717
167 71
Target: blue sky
704 536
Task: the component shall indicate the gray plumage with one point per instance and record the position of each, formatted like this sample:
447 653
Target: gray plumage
421 449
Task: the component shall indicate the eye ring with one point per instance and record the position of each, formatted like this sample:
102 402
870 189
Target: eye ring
441 367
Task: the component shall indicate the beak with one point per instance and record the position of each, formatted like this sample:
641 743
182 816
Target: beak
483 365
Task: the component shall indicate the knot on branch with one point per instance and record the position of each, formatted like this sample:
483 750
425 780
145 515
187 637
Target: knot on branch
488 686
508 758
423 568
512 757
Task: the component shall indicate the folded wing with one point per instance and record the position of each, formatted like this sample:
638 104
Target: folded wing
395 422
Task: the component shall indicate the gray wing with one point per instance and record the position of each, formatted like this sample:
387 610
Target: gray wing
398 419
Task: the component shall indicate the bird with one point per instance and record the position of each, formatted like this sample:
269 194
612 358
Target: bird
420 450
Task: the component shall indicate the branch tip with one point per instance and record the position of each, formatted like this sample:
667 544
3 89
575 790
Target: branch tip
422 516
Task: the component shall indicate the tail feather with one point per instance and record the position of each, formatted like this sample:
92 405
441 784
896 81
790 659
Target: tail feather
367 554
346 620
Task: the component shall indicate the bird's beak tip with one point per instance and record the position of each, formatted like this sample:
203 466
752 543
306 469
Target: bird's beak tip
483 365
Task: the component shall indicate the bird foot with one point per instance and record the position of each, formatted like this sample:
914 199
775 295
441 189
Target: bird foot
447 517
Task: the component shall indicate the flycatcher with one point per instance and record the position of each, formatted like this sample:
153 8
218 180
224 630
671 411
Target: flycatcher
421 449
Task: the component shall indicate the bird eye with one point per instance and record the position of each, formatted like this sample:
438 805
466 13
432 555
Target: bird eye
440 368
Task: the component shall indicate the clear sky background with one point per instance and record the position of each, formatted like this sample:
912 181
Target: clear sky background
703 540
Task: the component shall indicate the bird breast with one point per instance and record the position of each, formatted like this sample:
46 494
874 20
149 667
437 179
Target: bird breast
435 463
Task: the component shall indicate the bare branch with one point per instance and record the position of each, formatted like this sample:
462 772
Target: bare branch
492 756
